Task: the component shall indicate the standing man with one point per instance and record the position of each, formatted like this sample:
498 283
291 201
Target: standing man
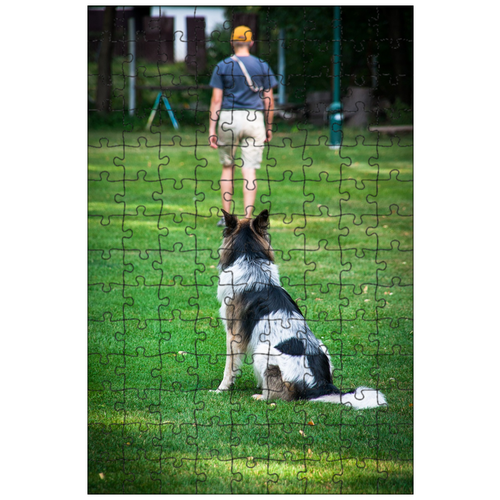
243 103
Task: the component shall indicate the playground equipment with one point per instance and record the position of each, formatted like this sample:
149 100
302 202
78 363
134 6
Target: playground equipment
159 97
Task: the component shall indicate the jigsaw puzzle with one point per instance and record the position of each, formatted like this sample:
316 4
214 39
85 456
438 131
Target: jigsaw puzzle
250 250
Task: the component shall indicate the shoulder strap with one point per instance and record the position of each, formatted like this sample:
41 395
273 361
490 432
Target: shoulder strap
247 76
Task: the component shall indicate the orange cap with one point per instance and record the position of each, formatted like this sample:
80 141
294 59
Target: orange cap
242 34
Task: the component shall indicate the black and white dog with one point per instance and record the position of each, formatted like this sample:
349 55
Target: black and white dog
263 321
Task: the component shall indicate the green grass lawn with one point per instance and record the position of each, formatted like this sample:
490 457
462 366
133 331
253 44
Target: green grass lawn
341 227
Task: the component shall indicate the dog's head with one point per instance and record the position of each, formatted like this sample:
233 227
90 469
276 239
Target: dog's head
245 238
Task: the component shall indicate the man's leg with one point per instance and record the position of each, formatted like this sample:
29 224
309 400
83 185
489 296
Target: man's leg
252 149
227 187
249 190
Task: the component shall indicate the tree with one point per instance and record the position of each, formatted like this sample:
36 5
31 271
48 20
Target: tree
369 34
104 78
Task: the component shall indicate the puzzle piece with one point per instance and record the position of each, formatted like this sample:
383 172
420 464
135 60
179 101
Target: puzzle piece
340 227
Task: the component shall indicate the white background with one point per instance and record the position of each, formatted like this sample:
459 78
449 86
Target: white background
43 260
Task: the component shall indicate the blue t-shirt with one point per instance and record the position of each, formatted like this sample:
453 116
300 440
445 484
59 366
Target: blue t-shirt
237 94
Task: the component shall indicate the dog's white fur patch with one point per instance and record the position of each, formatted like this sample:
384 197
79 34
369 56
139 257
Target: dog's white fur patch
363 398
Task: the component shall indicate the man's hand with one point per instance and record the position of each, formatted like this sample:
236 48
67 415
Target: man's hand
269 113
213 141
215 105
269 135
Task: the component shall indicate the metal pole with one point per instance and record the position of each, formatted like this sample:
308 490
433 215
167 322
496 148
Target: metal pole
170 112
336 115
281 66
153 111
131 49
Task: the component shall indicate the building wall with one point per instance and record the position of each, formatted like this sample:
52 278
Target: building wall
212 15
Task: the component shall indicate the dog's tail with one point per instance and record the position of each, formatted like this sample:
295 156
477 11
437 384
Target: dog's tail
360 398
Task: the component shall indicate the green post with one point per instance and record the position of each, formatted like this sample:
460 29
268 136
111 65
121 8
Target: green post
335 110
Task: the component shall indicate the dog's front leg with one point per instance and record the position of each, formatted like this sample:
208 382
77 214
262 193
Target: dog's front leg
234 359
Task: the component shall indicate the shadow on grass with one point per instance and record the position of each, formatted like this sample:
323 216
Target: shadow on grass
251 452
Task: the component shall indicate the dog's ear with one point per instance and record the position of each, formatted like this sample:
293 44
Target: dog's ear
261 222
231 222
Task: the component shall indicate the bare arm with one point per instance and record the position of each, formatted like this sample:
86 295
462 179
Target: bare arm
269 113
215 105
